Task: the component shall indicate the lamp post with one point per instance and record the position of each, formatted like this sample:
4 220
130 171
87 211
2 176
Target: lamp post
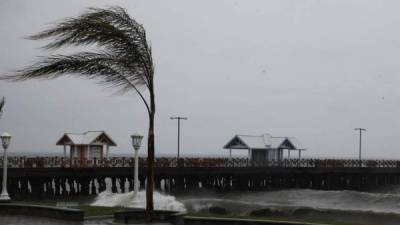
136 142
359 146
179 130
5 140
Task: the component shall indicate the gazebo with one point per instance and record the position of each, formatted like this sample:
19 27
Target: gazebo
88 145
264 147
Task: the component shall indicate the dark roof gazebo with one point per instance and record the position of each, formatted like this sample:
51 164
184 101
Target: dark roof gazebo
264 147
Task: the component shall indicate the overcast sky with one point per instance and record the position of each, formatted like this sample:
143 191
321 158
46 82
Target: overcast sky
313 69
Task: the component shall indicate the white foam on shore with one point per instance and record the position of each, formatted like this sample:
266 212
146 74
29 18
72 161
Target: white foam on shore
161 201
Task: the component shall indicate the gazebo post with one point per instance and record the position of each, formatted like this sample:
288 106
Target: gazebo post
288 156
102 151
250 155
230 154
299 154
65 151
107 152
88 152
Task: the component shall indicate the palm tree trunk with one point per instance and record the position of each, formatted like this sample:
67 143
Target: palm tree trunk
150 161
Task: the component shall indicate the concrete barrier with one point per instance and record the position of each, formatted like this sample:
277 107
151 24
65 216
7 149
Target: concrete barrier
332 215
137 215
194 220
42 211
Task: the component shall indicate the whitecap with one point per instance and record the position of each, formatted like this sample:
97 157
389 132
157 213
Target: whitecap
161 201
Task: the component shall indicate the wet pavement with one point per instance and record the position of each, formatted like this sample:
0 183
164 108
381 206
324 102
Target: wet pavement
26 220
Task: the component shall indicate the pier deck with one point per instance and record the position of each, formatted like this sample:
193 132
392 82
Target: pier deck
57 177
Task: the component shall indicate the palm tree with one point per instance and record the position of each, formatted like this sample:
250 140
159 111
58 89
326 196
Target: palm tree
123 61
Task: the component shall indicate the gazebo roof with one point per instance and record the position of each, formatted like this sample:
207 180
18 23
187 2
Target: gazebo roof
265 141
86 138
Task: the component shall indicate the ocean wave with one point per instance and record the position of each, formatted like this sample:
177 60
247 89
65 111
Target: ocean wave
317 199
129 200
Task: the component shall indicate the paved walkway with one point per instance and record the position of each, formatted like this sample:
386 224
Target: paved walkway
110 222
143 223
18 220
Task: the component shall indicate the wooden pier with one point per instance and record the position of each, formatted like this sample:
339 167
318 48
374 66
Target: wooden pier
54 177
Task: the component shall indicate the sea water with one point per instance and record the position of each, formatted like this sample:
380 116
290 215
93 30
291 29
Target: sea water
387 201
161 201
378 207
242 203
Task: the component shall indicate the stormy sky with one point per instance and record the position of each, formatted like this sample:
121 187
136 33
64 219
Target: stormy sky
310 69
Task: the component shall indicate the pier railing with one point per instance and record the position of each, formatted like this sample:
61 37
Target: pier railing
60 162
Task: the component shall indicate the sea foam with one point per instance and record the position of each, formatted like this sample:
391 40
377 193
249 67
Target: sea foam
161 201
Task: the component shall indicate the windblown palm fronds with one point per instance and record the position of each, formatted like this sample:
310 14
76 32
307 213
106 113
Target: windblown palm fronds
123 61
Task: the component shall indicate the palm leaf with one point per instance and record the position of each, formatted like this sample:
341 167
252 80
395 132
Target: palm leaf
124 61
110 28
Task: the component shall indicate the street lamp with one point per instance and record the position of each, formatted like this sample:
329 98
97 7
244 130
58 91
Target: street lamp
136 142
5 141
359 145
179 131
